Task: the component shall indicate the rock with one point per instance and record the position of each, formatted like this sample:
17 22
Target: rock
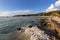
35 33
18 29
30 26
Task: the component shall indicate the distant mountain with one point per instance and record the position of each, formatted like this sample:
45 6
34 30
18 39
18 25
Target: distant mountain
53 13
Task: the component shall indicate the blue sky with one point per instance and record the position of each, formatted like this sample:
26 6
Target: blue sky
30 6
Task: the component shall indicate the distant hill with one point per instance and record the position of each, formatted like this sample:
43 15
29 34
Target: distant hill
53 13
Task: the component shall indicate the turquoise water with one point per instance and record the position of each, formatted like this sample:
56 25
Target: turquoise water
8 25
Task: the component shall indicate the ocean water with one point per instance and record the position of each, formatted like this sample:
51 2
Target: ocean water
8 25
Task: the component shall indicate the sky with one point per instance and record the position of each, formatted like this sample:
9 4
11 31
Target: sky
20 7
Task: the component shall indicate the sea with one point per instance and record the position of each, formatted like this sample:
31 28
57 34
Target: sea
8 25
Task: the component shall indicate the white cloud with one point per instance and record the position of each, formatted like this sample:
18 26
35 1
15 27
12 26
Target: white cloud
53 7
11 13
57 3
22 11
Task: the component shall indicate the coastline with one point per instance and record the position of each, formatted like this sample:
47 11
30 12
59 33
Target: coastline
48 28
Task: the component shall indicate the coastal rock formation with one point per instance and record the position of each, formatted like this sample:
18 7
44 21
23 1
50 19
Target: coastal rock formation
35 33
45 29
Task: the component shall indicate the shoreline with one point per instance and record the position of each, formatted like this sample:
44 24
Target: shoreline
48 28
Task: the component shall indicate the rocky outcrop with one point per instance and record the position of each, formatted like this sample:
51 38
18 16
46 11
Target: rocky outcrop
44 30
35 33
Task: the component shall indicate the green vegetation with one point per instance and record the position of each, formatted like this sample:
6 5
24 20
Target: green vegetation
53 13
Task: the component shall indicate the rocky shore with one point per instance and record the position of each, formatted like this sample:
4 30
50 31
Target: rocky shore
41 31
34 32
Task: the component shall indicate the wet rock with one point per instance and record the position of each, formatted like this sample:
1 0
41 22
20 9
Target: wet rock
18 29
29 26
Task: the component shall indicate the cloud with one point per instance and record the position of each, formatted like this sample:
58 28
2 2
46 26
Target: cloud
11 13
53 7
22 11
57 3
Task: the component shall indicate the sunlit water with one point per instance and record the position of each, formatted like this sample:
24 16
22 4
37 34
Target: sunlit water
8 25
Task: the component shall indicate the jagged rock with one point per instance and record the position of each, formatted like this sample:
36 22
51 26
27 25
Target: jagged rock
35 33
30 26
18 29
